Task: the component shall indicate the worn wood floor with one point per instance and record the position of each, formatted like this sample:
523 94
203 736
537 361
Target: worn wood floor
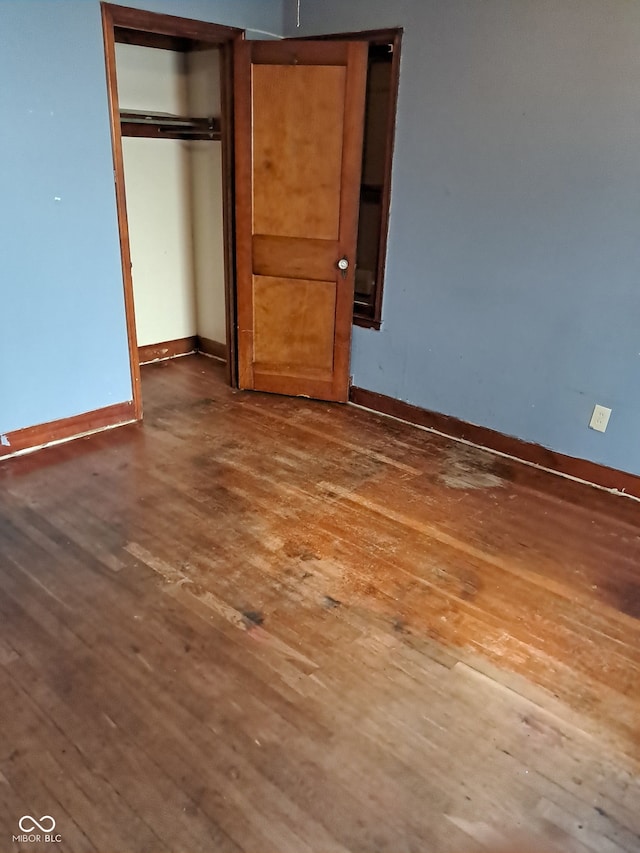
267 624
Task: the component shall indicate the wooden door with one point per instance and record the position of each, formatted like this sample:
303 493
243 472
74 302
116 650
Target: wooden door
299 126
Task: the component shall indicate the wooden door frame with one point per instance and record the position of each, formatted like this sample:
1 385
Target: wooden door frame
152 28
391 35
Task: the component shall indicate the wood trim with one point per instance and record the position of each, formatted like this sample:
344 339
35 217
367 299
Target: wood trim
201 34
146 39
227 117
214 348
535 454
108 24
32 438
376 320
167 349
349 211
286 52
169 25
372 36
243 151
366 322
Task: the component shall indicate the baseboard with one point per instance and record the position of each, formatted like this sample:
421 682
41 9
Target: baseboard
167 349
35 437
32 438
535 454
214 348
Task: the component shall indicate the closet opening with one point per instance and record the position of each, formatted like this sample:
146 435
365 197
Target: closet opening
383 76
170 83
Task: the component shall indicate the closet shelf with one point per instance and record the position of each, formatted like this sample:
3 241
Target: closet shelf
168 126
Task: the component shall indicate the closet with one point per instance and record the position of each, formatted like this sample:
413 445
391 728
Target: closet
169 99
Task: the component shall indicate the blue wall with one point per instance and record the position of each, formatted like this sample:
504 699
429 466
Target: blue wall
63 345
512 295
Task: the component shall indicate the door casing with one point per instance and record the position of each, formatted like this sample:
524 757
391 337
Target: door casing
147 27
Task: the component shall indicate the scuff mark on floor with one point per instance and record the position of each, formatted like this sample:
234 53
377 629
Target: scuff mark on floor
468 468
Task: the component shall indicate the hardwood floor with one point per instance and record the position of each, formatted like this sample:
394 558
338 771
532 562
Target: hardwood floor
267 624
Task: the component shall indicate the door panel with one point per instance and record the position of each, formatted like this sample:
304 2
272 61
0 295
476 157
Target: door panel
291 334
299 122
294 257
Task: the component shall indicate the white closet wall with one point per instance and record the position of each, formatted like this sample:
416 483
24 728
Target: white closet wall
203 93
174 197
157 183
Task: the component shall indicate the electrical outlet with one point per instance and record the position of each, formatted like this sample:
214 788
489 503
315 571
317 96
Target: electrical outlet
600 418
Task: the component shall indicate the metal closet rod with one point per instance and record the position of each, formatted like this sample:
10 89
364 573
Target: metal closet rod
147 123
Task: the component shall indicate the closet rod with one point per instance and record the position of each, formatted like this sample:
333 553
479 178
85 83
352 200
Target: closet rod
163 125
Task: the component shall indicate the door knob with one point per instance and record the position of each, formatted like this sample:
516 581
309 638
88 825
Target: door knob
343 266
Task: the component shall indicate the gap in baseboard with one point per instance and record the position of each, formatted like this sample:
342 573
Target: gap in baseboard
171 357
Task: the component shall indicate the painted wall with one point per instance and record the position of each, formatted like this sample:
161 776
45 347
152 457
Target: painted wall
151 79
205 158
158 192
63 348
512 294
174 197
157 183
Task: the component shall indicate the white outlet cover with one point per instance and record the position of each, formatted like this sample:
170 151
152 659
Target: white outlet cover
600 418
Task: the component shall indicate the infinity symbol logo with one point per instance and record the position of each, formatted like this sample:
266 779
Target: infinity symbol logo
45 824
